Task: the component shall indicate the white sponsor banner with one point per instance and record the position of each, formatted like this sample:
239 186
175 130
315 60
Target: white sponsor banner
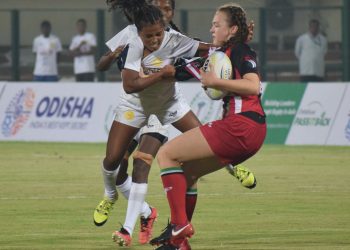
316 114
340 131
78 112
57 112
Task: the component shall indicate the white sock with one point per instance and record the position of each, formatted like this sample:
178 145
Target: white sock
125 190
109 178
136 199
125 187
145 210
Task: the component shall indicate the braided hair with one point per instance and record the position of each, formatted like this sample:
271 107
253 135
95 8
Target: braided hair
139 12
235 16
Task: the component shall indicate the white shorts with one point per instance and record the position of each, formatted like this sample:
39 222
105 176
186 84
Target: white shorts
153 126
130 112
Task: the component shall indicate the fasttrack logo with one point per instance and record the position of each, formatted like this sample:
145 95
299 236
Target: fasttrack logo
18 112
313 115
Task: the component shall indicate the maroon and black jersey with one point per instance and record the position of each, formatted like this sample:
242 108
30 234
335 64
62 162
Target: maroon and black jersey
243 60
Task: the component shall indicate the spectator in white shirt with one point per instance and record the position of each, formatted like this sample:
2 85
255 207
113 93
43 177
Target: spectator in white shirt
47 48
310 49
83 47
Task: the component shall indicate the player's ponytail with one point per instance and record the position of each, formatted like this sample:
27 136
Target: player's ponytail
129 7
236 16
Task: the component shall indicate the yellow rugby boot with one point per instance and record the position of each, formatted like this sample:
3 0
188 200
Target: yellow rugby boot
243 174
102 211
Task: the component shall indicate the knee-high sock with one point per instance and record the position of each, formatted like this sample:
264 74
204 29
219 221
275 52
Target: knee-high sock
125 190
109 178
174 183
136 199
191 201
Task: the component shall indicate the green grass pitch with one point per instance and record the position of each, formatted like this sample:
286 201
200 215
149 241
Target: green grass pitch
48 192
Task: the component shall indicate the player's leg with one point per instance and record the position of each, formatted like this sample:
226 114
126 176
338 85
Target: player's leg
119 138
185 148
240 172
187 122
123 180
153 136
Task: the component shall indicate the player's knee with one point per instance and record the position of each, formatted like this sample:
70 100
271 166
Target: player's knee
163 157
147 158
108 164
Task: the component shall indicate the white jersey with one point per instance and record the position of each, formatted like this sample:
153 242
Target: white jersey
123 37
46 49
163 93
84 63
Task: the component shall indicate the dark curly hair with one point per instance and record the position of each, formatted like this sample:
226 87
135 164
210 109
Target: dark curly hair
129 7
139 12
235 16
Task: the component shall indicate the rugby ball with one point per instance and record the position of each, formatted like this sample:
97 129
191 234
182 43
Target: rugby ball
223 69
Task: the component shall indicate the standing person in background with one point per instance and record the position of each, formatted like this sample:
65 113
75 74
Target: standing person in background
310 49
83 48
47 48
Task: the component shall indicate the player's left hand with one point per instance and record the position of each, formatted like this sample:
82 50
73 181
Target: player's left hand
208 78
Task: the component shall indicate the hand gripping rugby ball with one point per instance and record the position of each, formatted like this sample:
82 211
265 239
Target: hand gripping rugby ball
223 69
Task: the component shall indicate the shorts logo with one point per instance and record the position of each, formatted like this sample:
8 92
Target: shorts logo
129 115
172 114
17 112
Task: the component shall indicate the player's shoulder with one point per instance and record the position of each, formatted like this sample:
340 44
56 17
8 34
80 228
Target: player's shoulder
243 49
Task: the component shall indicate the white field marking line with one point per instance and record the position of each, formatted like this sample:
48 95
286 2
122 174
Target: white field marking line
250 232
80 197
50 234
39 155
46 198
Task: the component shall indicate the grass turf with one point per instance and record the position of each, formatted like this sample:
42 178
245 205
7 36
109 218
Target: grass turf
302 200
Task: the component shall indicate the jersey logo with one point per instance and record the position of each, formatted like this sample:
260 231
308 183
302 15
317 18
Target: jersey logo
176 233
252 63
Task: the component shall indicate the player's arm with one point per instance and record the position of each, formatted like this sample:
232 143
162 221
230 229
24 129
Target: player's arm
133 83
108 59
248 85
